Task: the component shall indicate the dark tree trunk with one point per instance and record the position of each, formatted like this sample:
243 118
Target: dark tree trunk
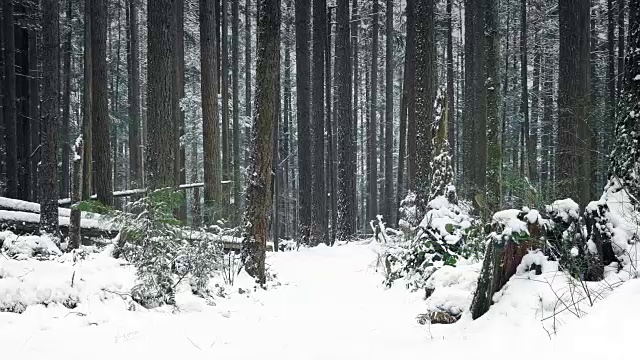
210 130
267 99
318 218
135 157
34 113
330 161
87 105
425 93
161 44
610 98
572 155
9 103
23 132
50 117
530 154
494 144
303 84
346 207
451 112
224 89
388 151
66 108
100 101
621 48
76 189
235 101
180 174
247 82
373 123
406 88
410 91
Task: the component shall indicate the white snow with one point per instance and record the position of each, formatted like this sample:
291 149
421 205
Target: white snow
325 303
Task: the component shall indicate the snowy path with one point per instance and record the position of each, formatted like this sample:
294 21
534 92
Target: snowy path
331 305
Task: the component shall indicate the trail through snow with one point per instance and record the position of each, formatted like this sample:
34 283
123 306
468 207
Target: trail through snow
331 304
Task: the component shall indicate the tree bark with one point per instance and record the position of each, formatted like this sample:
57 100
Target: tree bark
330 160
410 89
267 99
621 48
135 157
346 213
161 44
76 189
451 112
66 108
50 117
373 138
178 115
210 130
425 93
494 143
318 218
235 71
303 102
9 104
87 105
572 155
224 89
100 100
388 151
34 113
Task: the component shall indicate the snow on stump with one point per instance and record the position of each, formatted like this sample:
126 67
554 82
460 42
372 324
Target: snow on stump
514 233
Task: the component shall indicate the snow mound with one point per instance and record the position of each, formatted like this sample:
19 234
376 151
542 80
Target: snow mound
452 289
24 247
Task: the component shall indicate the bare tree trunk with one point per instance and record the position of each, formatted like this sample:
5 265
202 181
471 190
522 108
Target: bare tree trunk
303 84
135 156
247 81
87 105
572 161
330 160
50 117
372 141
161 44
425 94
388 153
494 143
9 104
34 113
235 71
411 114
66 107
451 112
210 129
76 189
267 99
318 218
621 48
99 107
224 89
178 115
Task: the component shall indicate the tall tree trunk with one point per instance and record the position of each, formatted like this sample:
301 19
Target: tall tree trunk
318 217
451 112
87 105
344 119
247 81
425 93
34 113
388 153
373 123
161 44
210 130
355 37
530 154
23 131
224 89
404 100
235 71
330 160
494 143
180 174
135 156
572 159
621 48
76 188
66 108
9 104
267 99
475 141
410 90
50 117
303 101
610 98
99 107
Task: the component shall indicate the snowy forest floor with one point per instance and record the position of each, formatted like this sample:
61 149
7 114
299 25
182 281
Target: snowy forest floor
329 303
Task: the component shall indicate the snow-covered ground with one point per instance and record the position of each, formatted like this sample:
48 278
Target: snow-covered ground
326 303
